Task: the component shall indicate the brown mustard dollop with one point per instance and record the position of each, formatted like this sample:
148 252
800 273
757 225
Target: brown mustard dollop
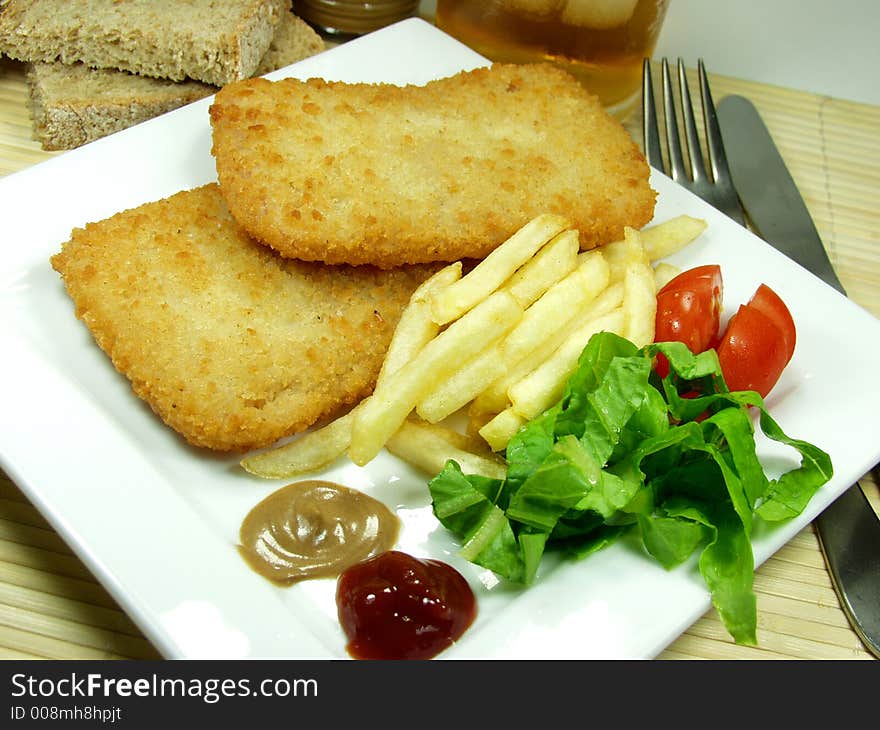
314 529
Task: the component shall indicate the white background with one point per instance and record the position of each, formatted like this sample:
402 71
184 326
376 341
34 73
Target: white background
827 47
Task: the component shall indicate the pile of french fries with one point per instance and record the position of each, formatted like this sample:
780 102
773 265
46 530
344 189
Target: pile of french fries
495 345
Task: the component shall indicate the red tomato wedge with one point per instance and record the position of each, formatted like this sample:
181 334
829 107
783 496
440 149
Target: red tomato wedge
768 301
689 311
754 348
757 343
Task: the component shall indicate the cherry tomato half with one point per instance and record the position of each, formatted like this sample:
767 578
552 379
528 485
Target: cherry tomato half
757 343
769 302
689 311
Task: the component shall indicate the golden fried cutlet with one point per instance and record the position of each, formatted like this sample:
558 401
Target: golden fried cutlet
230 344
385 175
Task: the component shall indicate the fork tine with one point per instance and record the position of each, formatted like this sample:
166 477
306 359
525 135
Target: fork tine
650 130
677 169
716 189
695 154
715 146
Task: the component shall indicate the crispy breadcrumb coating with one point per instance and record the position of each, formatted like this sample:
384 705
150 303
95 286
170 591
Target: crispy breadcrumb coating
386 175
231 345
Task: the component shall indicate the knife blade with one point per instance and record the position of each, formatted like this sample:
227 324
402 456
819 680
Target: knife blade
848 529
767 191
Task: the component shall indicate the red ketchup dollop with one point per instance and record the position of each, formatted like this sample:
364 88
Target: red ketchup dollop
396 606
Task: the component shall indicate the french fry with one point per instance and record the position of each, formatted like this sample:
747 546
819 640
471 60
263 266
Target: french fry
558 304
551 311
317 448
639 300
663 274
541 388
462 386
494 398
501 429
621 254
416 326
391 402
476 421
308 452
608 300
464 441
554 260
639 305
429 447
664 239
544 381
487 276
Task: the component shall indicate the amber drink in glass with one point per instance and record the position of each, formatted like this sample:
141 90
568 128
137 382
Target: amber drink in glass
601 42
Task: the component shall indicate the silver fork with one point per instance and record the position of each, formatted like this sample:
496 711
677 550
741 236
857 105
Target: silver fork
716 189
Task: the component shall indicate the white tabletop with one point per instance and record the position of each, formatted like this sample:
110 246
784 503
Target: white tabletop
814 45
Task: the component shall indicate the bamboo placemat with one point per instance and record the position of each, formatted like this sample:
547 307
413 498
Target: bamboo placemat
52 607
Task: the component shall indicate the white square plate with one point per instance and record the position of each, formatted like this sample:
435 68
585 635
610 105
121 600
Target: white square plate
157 521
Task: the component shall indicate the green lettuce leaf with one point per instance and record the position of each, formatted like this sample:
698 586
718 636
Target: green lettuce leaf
673 460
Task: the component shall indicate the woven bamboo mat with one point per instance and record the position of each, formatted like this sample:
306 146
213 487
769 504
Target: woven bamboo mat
52 607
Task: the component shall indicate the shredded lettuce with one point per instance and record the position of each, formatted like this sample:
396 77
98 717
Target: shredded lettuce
673 460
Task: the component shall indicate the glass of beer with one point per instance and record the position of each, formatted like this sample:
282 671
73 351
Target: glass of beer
600 42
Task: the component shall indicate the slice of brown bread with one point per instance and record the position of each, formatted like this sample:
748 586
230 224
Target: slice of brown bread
294 40
72 104
214 41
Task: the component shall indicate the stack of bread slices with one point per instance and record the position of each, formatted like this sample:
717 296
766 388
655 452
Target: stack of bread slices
95 67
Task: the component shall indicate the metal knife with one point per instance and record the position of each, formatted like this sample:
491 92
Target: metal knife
848 529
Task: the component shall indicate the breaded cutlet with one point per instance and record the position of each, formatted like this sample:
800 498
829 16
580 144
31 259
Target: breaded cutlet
230 344
385 175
